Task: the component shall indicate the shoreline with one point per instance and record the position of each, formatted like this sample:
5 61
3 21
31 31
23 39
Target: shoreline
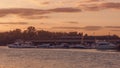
64 49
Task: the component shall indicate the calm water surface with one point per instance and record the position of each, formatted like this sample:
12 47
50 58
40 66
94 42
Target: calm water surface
58 58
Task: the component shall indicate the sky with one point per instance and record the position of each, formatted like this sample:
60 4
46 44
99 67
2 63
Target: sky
98 17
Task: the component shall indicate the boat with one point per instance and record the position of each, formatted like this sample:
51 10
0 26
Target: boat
43 45
78 46
63 45
105 45
47 45
21 45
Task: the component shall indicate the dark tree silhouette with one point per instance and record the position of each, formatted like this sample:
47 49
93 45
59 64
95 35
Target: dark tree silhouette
32 34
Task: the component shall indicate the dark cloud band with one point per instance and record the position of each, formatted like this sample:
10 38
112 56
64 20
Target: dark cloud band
32 12
100 6
14 23
87 28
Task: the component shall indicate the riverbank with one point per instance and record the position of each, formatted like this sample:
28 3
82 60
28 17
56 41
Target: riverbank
58 58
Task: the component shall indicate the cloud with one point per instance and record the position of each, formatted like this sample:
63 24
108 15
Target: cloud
32 12
42 23
115 30
110 5
87 28
66 28
14 23
116 27
68 9
36 17
92 28
22 11
89 7
100 6
93 0
72 22
45 3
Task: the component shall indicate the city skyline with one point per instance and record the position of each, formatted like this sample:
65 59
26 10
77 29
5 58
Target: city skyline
101 17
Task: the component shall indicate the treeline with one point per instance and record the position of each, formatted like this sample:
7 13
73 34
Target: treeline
32 34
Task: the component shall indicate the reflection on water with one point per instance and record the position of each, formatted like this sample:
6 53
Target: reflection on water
57 58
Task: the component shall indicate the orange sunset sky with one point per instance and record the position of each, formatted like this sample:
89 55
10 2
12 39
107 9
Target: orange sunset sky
89 16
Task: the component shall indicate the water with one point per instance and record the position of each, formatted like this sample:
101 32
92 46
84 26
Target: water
57 58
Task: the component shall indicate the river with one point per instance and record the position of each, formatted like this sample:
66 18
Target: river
57 58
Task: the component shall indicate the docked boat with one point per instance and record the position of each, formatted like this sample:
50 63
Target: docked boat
43 46
78 46
21 45
105 45
62 45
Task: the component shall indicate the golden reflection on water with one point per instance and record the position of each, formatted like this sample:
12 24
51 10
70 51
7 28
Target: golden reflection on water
57 58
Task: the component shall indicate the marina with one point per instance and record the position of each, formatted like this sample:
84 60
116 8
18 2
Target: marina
64 44
59 33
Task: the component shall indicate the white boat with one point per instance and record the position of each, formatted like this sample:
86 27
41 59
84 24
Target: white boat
105 45
66 45
63 45
21 45
78 46
43 46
